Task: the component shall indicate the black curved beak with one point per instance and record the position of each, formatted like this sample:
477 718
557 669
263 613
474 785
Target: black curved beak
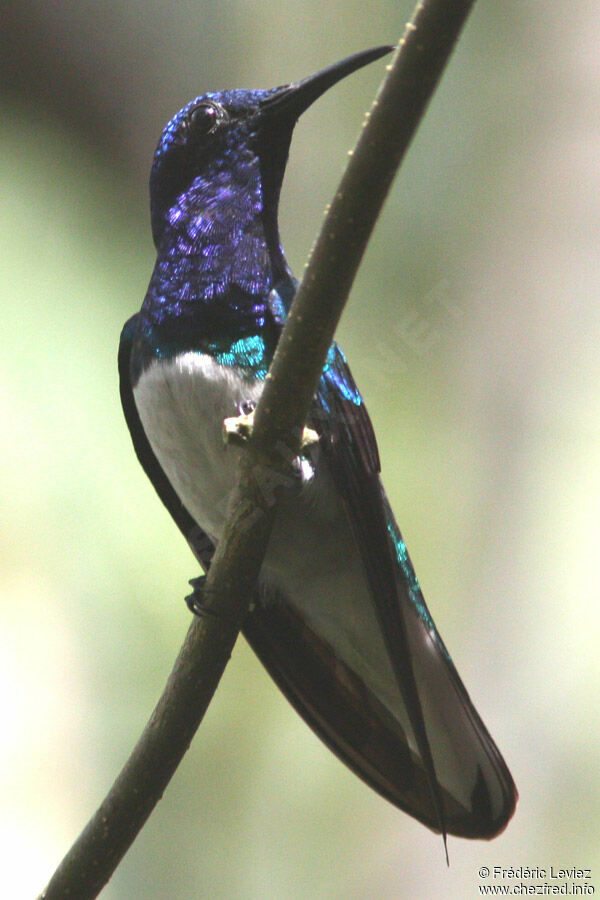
293 99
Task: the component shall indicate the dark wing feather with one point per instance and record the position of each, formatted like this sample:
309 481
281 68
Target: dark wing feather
326 693
333 702
444 721
347 717
351 449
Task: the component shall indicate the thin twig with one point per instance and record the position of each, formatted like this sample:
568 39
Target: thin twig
278 422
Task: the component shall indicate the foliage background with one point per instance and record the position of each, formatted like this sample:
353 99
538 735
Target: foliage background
473 330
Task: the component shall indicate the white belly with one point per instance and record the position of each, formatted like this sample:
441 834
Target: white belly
312 557
182 404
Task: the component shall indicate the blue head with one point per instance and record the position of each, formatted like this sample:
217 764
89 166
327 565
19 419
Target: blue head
214 192
233 141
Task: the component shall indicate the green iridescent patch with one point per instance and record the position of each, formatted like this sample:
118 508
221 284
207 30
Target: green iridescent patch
248 353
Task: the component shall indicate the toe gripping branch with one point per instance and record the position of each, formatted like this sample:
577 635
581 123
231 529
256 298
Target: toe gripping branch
195 601
238 429
199 604
298 470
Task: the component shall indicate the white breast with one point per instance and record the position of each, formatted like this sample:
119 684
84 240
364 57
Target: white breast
312 557
182 403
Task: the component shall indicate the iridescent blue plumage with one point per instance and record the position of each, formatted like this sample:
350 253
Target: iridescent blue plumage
216 234
339 618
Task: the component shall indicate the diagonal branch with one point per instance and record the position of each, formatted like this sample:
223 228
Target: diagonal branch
278 422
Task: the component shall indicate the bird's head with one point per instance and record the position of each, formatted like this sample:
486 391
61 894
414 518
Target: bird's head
219 133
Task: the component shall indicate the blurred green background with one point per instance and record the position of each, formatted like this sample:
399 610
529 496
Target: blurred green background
473 331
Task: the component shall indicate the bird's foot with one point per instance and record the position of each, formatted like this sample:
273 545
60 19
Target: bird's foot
195 600
238 429
198 603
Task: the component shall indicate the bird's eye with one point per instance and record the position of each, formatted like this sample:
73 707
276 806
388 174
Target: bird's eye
203 119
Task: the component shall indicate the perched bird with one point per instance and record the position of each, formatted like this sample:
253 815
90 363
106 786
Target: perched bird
338 619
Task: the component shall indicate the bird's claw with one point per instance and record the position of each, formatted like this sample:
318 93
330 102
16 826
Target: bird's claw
238 430
195 600
199 604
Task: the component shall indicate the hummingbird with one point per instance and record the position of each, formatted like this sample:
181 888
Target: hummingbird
338 618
